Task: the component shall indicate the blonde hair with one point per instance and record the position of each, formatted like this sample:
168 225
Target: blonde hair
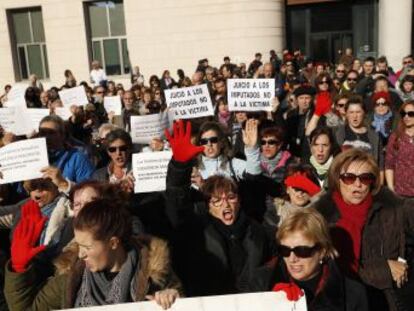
343 160
311 224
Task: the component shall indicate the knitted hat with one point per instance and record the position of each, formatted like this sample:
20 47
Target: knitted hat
378 95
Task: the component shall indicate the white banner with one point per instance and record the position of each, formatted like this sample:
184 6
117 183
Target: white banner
63 112
34 115
113 103
269 301
150 170
23 160
14 120
145 128
189 102
250 94
16 96
73 96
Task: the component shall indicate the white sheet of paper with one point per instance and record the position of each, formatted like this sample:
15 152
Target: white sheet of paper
189 102
63 112
113 103
15 97
23 160
34 116
144 128
250 94
73 96
268 301
15 120
150 170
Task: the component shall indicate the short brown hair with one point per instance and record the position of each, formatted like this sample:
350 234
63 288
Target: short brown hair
312 225
343 160
218 184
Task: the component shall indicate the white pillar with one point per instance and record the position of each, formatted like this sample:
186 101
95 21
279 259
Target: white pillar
395 18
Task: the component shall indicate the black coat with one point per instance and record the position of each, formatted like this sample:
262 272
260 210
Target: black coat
202 245
335 292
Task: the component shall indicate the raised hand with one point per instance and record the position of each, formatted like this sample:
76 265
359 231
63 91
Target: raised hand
293 292
323 103
250 133
182 148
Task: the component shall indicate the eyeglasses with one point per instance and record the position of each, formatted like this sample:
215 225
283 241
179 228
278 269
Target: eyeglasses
407 62
352 80
381 104
217 202
340 105
100 92
120 148
410 114
212 140
270 142
340 71
299 251
365 178
323 82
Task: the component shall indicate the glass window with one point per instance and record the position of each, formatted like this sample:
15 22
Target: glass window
96 51
116 19
112 60
28 36
125 56
98 19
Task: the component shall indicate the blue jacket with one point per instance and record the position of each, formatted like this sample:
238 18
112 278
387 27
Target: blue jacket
74 165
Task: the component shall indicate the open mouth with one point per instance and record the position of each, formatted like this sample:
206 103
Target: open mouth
228 215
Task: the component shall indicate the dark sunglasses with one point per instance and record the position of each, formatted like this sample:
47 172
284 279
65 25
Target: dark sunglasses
120 148
323 82
340 105
299 251
340 71
212 140
365 178
407 113
271 142
381 104
350 79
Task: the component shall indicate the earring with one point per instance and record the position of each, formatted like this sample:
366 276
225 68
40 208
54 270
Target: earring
320 261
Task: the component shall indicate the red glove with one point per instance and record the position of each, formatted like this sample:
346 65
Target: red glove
26 235
299 180
293 292
323 103
182 148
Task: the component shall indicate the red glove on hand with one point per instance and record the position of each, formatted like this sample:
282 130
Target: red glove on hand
26 235
323 103
299 180
182 148
293 292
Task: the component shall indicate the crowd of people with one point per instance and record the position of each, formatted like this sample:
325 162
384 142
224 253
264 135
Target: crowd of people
314 197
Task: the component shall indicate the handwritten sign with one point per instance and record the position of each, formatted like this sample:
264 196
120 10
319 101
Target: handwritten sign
144 128
250 94
23 160
73 96
113 104
269 301
150 170
15 121
189 102
16 96
33 117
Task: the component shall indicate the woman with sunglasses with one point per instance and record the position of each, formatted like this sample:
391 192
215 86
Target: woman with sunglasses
369 228
306 264
399 169
382 118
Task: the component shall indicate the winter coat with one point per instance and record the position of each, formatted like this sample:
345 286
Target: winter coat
334 293
384 237
31 291
74 165
201 250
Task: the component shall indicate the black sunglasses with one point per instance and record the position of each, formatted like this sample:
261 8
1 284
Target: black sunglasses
350 79
407 113
120 148
323 82
340 71
205 141
299 251
365 178
340 105
271 142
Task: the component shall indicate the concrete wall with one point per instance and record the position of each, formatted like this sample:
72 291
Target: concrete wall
161 34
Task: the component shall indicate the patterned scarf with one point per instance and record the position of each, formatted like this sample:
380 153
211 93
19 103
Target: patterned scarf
380 123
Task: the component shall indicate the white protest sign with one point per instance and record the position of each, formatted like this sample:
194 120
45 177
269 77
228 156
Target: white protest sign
250 94
113 103
150 170
73 96
34 115
269 301
23 160
189 102
63 112
16 96
144 128
15 121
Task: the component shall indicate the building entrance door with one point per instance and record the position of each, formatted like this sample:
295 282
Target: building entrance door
324 46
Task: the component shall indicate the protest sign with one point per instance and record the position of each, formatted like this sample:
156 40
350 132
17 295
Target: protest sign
113 104
269 301
150 170
16 96
250 94
189 102
73 96
33 116
14 120
63 112
144 128
23 160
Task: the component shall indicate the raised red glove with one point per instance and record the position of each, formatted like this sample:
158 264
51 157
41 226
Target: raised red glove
26 235
182 148
293 292
323 103
300 181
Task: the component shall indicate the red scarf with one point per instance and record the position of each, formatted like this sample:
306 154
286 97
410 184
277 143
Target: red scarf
347 237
